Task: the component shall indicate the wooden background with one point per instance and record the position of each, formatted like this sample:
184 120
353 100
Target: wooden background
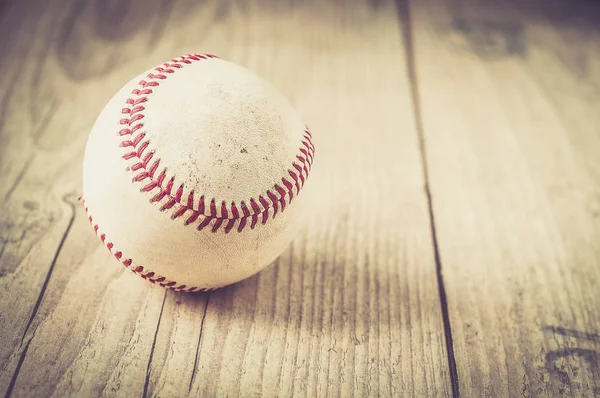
454 248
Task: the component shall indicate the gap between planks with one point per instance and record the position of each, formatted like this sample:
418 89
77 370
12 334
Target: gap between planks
405 24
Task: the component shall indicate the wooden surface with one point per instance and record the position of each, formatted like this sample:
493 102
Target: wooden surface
454 246
510 105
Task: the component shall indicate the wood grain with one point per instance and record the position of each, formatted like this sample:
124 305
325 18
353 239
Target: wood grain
351 308
509 99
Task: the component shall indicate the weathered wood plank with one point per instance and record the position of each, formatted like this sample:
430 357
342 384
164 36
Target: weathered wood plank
50 98
38 151
509 95
351 307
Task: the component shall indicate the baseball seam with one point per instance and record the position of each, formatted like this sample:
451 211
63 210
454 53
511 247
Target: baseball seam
145 168
138 269
201 211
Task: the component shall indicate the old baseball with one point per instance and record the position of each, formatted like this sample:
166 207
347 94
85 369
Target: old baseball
194 173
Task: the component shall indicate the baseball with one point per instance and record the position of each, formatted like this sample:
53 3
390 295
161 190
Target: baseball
194 173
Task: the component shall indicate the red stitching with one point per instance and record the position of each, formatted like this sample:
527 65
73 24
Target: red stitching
138 269
137 146
231 213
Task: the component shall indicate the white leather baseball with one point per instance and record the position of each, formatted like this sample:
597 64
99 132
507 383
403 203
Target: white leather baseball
194 173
